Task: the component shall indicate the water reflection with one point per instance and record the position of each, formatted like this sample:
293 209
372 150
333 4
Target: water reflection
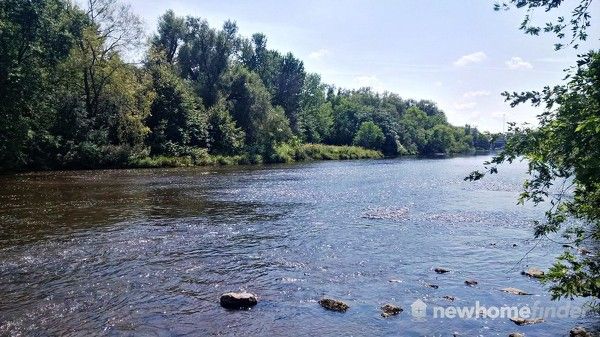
148 252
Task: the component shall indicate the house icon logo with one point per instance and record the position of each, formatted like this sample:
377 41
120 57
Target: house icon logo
418 309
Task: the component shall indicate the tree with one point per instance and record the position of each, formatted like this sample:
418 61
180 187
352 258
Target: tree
177 118
563 160
225 137
251 108
289 84
171 32
315 117
204 56
35 38
113 29
369 135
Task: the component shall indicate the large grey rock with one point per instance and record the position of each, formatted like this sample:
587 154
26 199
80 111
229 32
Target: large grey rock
239 300
517 334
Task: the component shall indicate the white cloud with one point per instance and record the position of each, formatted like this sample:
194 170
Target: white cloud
366 81
464 105
470 58
476 93
518 63
318 54
438 83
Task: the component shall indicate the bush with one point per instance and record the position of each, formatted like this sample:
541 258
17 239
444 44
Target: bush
370 136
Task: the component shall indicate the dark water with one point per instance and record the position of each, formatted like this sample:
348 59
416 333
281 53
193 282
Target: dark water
148 252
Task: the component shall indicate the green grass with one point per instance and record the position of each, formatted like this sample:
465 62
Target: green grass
287 153
284 153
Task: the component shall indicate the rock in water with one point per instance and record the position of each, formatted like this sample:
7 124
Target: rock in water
516 334
526 321
390 310
333 305
514 291
533 272
471 283
434 286
449 298
441 270
579 332
240 300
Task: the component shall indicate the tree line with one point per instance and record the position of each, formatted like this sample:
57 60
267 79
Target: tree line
70 99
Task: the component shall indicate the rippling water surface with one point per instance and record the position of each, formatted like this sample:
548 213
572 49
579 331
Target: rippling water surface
148 252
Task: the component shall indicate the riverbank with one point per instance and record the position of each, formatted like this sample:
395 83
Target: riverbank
284 153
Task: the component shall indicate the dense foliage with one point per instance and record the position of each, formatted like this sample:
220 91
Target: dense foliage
564 163
69 98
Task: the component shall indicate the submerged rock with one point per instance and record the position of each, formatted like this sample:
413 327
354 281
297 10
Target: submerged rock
579 332
526 321
239 300
434 286
517 334
333 305
533 272
449 298
441 270
390 310
471 283
514 291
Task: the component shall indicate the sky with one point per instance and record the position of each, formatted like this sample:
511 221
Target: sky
460 54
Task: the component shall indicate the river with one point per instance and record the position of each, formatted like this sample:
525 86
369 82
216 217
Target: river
148 252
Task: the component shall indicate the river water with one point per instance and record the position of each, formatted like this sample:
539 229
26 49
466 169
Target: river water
148 252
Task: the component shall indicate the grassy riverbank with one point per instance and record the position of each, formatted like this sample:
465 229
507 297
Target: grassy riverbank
285 153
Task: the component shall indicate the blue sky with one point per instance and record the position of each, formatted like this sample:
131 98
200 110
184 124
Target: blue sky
460 54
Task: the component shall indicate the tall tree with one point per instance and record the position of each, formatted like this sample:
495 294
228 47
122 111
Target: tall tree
290 81
171 32
205 55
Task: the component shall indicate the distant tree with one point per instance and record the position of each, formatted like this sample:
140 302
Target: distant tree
204 57
370 136
289 85
316 114
224 136
252 110
177 118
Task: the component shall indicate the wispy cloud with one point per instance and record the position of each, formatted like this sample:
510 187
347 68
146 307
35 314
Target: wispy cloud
470 58
366 81
518 63
464 105
318 54
476 93
370 81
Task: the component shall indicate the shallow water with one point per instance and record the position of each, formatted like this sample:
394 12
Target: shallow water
148 252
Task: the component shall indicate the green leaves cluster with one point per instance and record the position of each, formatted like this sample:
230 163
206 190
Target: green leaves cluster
563 159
